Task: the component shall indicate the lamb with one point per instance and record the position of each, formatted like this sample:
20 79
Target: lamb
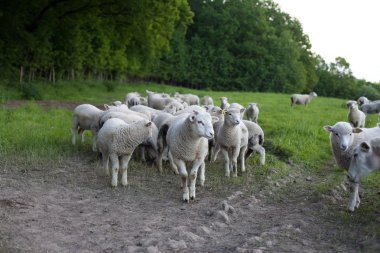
190 99
355 116
224 103
232 141
252 112
132 98
85 117
116 139
255 140
302 99
366 158
186 139
344 139
207 100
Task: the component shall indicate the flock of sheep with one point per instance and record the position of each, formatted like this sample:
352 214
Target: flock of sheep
356 149
182 129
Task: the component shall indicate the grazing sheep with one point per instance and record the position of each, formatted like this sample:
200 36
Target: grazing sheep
232 141
207 100
255 140
116 139
158 100
85 117
252 112
174 107
302 99
190 99
355 116
224 103
371 107
344 138
130 98
186 138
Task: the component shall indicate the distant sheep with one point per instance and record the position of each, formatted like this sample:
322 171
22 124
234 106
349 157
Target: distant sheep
117 140
224 103
302 99
190 99
362 101
252 112
207 100
355 116
86 117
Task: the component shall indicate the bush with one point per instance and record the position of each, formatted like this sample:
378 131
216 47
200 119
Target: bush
30 91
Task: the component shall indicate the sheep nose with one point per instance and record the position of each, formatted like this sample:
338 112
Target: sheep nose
343 147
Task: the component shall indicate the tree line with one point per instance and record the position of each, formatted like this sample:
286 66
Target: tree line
246 45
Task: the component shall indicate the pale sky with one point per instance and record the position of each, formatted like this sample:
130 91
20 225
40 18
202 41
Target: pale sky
346 28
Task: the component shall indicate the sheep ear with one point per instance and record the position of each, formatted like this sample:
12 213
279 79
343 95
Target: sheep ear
328 129
364 147
242 109
195 112
214 119
148 124
106 106
357 130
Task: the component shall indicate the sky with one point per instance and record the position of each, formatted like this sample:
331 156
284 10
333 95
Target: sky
345 28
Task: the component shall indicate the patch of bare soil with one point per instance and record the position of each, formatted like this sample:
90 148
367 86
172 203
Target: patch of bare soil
69 206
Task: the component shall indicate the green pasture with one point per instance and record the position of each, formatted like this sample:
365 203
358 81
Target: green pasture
294 138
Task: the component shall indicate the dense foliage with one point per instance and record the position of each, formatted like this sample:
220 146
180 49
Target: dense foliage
245 45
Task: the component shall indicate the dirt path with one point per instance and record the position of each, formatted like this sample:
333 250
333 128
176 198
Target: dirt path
70 207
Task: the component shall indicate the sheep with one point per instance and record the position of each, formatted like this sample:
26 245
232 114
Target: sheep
190 99
158 100
366 158
255 140
371 107
252 112
132 98
116 139
174 107
240 107
224 103
302 99
362 101
190 109
344 138
85 117
186 138
355 116
349 102
232 141
207 100
117 103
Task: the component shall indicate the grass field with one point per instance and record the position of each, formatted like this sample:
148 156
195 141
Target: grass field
292 135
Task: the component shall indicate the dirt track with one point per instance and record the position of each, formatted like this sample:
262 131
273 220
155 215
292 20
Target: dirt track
70 207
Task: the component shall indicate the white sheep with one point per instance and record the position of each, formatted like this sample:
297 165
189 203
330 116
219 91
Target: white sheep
117 140
190 99
366 158
232 141
158 100
252 112
207 100
302 99
371 107
132 98
362 101
186 139
224 103
355 116
255 141
86 117
344 138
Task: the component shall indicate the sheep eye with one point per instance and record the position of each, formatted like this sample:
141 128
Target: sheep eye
200 122
336 134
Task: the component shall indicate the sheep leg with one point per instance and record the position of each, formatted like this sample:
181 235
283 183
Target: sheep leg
124 169
261 151
241 157
354 200
94 139
193 177
226 162
159 160
143 152
202 176
234 161
106 158
81 134
115 169
172 164
73 129
184 175
216 152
